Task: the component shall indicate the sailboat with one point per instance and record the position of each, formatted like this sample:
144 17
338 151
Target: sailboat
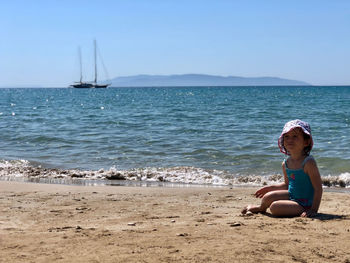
89 85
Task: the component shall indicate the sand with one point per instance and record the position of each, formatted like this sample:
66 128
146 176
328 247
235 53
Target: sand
62 223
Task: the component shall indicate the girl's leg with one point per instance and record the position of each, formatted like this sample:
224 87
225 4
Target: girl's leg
286 208
266 201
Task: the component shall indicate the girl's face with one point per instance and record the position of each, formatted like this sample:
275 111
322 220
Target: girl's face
294 141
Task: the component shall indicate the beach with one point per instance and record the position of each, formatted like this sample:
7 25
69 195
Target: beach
67 223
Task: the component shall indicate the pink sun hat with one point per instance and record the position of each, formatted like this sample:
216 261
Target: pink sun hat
305 127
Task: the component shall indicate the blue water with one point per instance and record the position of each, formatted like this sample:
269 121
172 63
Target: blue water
226 129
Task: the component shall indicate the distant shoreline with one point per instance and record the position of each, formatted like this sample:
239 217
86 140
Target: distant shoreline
184 80
201 80
247 86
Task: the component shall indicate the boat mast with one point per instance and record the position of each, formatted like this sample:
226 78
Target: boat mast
95 55
81 65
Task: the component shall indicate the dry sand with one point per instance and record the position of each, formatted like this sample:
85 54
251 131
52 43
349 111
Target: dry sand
60 223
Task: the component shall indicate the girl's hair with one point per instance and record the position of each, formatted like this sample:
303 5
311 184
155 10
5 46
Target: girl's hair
308 148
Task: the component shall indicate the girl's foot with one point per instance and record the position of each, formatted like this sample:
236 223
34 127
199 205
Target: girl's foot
252 209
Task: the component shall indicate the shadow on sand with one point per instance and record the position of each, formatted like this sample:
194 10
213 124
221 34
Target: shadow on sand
325 217
319 216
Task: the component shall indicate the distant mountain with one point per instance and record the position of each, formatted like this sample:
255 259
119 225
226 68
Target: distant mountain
200 80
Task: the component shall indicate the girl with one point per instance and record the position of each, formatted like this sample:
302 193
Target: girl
300 193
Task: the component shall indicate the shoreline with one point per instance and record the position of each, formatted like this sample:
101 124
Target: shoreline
162 176
69 223
131 183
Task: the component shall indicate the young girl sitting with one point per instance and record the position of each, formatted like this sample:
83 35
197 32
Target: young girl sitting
300 193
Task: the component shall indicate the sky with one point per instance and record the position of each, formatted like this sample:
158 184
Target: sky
293 39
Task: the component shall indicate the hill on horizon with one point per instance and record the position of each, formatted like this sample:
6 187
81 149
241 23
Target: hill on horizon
200 80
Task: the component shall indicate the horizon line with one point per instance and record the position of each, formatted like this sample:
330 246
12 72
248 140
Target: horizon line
176 86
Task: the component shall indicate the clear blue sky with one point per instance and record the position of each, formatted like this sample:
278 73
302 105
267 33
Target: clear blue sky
306 40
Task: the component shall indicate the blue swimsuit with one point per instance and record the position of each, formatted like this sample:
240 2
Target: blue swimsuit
300 187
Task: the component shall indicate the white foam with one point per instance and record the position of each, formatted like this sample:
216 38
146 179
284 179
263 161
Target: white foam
13 163
342 180
345 177
181 174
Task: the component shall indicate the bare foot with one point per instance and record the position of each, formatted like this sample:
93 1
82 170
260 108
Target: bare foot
252 209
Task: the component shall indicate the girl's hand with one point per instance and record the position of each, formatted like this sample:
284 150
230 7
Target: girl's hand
262 191
308 213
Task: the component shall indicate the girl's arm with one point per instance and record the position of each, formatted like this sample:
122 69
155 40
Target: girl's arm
315 177
282 186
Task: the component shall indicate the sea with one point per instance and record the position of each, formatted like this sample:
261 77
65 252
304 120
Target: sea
205 136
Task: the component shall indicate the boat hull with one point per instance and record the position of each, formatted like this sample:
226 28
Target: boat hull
89 86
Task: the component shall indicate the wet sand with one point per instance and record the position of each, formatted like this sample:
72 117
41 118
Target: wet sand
64 223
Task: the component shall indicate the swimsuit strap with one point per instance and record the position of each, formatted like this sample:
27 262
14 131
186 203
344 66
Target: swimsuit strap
303 163
306 159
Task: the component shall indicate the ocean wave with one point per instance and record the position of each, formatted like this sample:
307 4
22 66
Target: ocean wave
181 175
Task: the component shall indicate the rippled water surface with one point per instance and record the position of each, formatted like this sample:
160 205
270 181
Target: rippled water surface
227 129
